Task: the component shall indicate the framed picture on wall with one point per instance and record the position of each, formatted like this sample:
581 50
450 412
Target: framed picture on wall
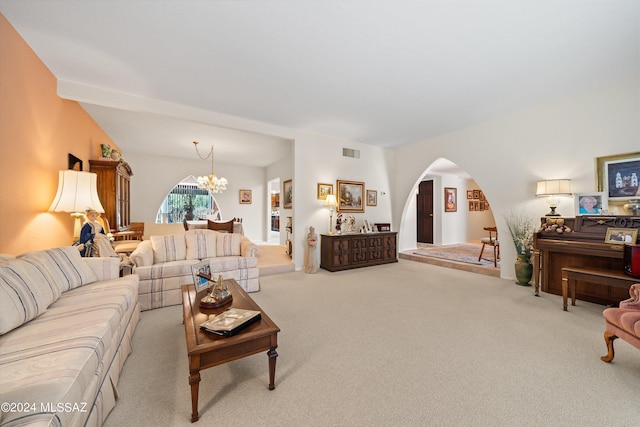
350 196
245 197
618 176
450 199
372 198
324 190
287 194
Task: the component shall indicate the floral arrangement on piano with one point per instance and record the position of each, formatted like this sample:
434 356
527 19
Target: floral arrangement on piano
556 225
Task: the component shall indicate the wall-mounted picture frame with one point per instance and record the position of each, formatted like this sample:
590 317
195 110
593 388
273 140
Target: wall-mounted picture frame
324 190
620 236
619 176
287 194
245 197
350 196
450 199
594 203
203 268
472 206
469 194
372 198
476 194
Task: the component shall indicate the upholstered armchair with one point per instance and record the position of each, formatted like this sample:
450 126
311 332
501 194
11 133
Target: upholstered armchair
623 322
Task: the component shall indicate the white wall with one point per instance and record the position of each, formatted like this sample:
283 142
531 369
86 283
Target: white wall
155 176
507 156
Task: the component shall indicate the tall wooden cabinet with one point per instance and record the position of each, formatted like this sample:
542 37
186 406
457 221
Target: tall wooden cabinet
347 251
114 191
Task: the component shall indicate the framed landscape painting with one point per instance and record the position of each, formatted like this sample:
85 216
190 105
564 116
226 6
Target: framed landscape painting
324 190
618 176
350 196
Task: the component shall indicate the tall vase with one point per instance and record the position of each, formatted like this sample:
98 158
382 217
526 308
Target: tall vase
524 270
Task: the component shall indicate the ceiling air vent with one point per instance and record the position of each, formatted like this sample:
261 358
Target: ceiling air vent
350 152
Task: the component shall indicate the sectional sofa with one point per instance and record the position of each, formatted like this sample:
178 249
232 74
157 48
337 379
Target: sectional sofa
66 324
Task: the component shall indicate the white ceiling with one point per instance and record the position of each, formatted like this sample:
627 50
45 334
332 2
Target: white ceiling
382 72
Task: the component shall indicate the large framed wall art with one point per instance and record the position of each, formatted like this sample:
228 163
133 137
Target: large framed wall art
350 196
618 177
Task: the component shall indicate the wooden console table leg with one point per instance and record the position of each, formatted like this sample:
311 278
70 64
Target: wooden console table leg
273 355
194 381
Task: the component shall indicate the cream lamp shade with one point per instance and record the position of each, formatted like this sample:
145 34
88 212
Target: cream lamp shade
331 203
552 188
77 192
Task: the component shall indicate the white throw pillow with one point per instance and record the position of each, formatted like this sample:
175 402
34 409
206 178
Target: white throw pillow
228 244
201 244
168 248
65 265
25 292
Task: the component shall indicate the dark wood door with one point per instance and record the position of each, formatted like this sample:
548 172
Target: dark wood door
425 212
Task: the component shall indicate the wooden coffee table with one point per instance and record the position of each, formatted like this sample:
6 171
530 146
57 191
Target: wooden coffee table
207 349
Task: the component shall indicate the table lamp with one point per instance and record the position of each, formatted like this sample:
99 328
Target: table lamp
552 188
331 203
77 191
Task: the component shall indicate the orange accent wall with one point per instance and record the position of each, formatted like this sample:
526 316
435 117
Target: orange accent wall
37 131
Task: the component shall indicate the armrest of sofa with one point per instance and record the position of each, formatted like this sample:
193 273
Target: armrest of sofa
143 255
105 268
248 248
634 301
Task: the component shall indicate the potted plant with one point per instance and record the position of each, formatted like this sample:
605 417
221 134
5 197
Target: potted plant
522 228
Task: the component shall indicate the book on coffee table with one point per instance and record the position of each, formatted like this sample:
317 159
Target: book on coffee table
231 321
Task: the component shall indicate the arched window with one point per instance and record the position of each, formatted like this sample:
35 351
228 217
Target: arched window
188 201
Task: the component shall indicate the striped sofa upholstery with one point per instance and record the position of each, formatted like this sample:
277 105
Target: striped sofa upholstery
164 263
61 367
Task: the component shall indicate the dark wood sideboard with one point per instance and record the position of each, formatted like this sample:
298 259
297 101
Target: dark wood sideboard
347 251
583 247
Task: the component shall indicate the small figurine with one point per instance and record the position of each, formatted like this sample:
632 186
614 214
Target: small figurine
338 223
311 264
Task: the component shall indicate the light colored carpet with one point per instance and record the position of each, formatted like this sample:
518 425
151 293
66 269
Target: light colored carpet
273 259
405 344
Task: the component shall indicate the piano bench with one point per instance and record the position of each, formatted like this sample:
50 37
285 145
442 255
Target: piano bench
598 276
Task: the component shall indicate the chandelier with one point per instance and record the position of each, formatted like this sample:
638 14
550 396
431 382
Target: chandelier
210 183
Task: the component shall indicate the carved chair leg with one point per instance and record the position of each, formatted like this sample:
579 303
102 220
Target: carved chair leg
608 339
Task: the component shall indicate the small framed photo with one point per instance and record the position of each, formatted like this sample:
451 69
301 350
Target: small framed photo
620 236
204 269
367 226
450 199
245 197
324 190
476 194
372 198
469 194
287 194
472 206
594 203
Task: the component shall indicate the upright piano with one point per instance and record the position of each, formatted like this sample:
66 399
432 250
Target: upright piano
584 246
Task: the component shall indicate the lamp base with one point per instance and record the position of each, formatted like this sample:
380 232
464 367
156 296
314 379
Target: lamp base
553 212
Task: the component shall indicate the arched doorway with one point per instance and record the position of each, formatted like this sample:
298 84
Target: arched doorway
446 209
188 201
